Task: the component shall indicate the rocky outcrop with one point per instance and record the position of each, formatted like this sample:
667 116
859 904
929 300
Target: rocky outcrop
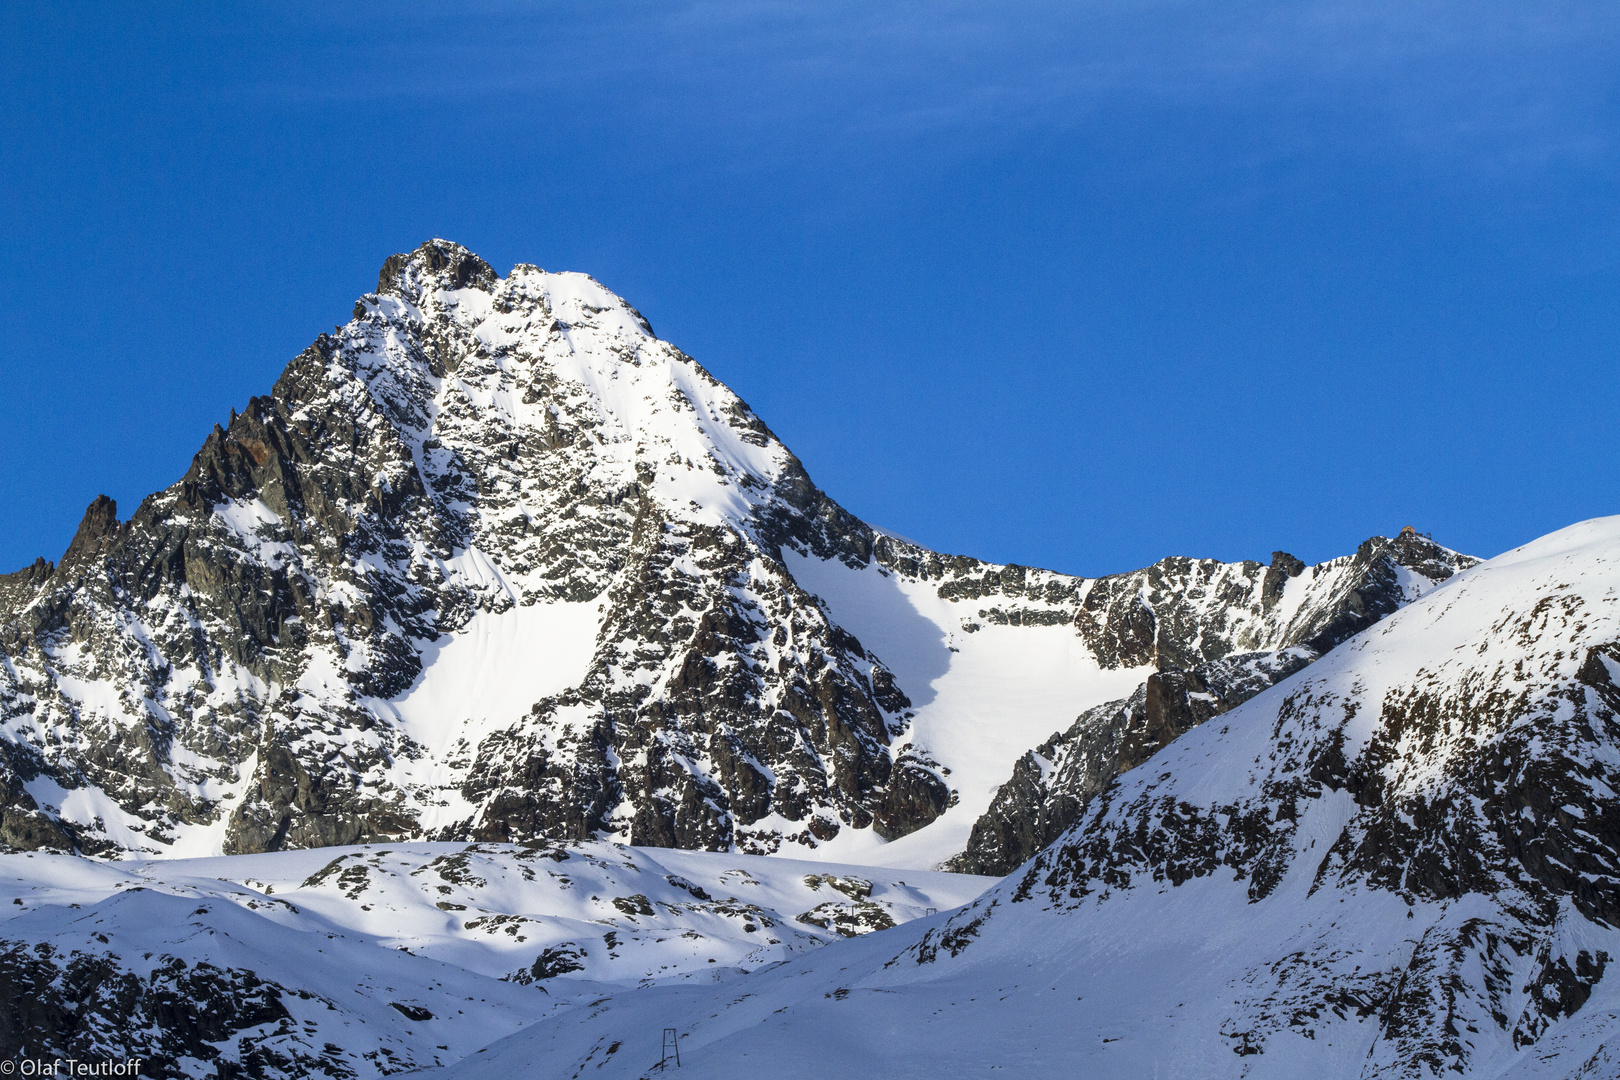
90 1007
394 958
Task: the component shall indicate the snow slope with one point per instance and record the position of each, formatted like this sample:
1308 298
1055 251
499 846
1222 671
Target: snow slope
1399 862
979 699
366 960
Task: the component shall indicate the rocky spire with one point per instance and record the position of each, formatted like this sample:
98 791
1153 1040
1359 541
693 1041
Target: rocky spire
99 524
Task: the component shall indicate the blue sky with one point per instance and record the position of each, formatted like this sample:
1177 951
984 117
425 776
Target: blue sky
1077 285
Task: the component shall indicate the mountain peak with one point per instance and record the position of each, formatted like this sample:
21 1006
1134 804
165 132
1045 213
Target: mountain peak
100 521
437 264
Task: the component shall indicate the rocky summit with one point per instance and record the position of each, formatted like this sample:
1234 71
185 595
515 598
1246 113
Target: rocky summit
494 563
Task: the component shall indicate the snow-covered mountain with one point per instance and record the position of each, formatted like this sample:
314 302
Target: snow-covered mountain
366 961
1398 862
495 576
494 563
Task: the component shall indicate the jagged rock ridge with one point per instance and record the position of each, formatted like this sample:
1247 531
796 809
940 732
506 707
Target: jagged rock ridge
1051 784
493 562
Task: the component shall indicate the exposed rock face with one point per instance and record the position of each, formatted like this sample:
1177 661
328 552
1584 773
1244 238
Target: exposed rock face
492 562
1051 784
88 1006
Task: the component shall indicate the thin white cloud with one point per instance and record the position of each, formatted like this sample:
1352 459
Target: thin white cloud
1518 84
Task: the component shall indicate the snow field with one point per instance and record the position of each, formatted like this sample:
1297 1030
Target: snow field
350 936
